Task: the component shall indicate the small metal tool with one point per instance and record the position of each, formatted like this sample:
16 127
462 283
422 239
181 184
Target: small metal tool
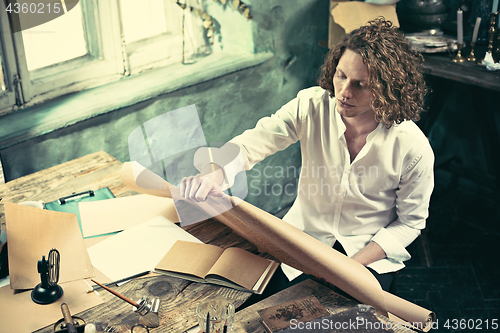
148 309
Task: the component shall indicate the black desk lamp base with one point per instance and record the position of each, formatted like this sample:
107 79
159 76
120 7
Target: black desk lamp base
41 295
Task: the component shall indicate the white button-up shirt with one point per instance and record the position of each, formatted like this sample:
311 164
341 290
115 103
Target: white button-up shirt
382 196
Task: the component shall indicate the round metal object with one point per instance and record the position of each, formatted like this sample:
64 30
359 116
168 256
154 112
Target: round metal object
60 325
139 328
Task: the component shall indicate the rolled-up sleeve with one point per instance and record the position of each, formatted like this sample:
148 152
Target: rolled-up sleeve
271 134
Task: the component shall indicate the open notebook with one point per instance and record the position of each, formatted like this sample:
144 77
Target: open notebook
205 263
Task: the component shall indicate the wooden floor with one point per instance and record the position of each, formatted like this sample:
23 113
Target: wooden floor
464 236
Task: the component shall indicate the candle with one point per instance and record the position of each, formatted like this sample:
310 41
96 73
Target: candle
494 9
476 29
460 32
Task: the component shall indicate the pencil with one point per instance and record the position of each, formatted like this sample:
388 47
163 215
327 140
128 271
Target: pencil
207 328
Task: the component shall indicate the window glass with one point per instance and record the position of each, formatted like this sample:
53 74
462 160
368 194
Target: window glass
142 21
55 41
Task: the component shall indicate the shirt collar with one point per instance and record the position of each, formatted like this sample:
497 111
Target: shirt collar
337 119
339 123
374 132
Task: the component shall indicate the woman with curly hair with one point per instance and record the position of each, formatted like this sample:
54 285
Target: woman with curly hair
367 169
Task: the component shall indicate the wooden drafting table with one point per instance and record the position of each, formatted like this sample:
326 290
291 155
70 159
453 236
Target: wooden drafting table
99 170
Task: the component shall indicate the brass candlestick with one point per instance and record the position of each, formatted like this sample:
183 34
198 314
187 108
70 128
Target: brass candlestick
492 31
497 51
472 56
459 57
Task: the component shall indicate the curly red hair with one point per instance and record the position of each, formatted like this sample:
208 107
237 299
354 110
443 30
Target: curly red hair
396 72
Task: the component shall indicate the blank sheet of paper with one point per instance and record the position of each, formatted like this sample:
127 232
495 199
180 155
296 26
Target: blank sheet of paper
137 249
111 215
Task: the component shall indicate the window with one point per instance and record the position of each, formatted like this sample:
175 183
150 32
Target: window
92 43
151 35
7 63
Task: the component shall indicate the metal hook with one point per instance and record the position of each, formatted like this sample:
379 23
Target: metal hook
139 325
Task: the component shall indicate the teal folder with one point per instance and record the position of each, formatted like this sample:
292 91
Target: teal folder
69 204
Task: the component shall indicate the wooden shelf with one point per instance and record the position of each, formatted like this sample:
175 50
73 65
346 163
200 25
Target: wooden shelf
469 73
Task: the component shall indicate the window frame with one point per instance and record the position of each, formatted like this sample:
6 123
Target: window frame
8 66
101 63
108 58
155 51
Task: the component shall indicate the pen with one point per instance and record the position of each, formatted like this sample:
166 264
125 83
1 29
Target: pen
224 330
207 328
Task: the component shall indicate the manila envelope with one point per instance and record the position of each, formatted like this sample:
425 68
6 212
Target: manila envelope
33 232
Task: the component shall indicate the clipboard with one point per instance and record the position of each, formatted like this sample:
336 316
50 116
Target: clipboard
69 204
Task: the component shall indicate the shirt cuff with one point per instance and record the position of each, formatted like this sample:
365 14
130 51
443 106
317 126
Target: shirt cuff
290 272
391 246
